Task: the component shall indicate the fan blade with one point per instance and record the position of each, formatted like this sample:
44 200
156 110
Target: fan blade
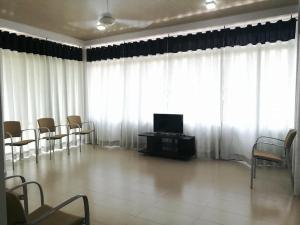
134 23
84 24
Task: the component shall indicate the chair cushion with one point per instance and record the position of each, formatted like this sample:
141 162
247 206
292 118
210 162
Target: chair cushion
267 156
83 132
58 217
20 143
55 137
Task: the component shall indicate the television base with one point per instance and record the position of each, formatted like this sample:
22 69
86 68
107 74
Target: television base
167 145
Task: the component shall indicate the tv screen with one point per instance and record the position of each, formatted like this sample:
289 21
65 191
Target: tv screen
170 123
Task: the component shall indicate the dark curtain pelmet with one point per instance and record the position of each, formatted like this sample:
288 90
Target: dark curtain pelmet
22 43
239 36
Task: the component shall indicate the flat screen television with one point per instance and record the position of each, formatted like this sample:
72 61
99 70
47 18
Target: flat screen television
169 123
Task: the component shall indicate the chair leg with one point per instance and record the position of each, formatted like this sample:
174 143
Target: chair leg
75 140
252 172
37 151
53 146
49 145
290 170
12 157
93 139
80 143
21 152
255 164
68 144
26 205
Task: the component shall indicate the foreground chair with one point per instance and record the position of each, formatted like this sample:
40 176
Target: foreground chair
76 127
22 195
47 127
284 156
12 129
45 214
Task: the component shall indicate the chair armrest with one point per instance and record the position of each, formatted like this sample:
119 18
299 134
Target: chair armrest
10 136
271 138
48 130
16 176
25 194
267 143
28 130
25 184
78 126
65 203
90 123
67 127
62 126
34 131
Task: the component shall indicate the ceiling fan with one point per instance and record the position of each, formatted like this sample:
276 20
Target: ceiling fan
107 20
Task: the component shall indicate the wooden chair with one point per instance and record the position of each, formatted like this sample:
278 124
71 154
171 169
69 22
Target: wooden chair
76 127
45 214
12 129
284 146
47 127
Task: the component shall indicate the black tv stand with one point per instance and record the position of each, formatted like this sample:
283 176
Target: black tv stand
170 145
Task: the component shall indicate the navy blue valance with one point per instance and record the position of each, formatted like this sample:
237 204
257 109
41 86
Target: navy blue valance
239 36
26 44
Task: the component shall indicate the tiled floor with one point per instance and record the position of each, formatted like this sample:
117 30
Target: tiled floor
125 187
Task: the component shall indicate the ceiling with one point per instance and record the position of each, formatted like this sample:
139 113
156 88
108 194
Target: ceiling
77 18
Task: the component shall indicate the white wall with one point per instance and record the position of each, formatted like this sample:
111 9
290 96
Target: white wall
2 162
297 122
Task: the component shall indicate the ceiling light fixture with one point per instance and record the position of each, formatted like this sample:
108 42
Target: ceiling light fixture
100 27
210 4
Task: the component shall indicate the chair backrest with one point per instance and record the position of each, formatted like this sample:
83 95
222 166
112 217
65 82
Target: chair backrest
74 121
12 127
15 212
46 122
289 138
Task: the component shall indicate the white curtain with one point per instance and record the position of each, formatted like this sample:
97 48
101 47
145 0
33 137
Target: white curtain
36 86
258 95
227 96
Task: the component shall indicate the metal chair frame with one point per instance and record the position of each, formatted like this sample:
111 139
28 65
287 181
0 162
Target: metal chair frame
50 137
58 207
24 196
80 126
11 137
280 144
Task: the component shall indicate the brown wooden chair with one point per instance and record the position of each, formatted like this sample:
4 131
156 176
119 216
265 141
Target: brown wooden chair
284 145
12 130
45 214
47 127
77 127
